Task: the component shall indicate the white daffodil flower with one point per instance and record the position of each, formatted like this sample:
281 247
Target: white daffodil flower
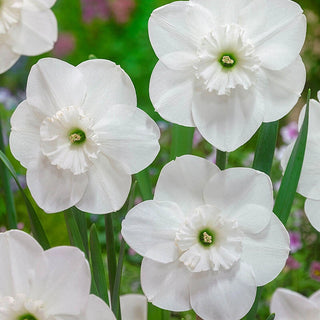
80 135
208 238
27 27
290 305
226 66
309 182
41 285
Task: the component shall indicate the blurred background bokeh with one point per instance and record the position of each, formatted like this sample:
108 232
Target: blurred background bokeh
118 30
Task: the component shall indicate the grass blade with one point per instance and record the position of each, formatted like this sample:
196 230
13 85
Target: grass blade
288 187
97 266
36 226
81 221
266 145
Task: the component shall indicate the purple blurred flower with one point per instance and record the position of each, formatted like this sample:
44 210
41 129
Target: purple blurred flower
315 270
131 252
122 10
20 225
3 229
65 44
212 156
94 9
22 181
290 132
295 241
197 138
292 263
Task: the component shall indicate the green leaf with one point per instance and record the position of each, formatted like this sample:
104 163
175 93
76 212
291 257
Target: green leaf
81 220
144 183
36 226
266 145
221 159
291 176
271 317
182 138
73 231
8 195
97 266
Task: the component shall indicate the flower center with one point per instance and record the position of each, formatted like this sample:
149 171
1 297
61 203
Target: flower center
66 145
10 11
207 237
226 60
77 136
27 316
208 241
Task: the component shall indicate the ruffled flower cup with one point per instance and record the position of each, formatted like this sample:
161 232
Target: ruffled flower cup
45 285
80 135
27 27
227 66
290 305
309 183
208 238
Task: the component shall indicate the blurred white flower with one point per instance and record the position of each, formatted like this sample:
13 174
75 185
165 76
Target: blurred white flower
81 136
27 27
133 307
41 285
290 305
309 183
208 238
227 66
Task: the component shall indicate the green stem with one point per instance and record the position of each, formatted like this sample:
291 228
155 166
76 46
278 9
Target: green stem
221 159
111 256
253 311
8 195
182 138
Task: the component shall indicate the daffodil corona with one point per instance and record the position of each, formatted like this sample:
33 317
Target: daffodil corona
227 66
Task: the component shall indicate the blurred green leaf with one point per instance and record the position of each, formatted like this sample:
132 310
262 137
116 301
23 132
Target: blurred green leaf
182 138
144 184
271 317
36 226
288 187
97 266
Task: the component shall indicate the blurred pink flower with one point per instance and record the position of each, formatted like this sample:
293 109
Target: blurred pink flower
131 252
95 9
122 9
295 241
197 138
315 270
292 263
20 225
289 132
65 44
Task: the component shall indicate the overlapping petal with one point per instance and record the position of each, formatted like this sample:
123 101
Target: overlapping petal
107 189
54 84
312 210
228 121
224 295
35 33
290 305
107 85
166 285
267 251
129 136
97 309
24 137
150 228
8 57
236 187
182 181
54 189
18 253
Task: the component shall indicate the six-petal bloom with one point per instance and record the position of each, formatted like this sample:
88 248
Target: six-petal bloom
80 135
226 66
27 27
45 285
309 183
208 238
290 305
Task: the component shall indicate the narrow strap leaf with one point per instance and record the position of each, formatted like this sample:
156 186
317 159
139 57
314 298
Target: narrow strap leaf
288 187
266 145
97 266
36 226
81 220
